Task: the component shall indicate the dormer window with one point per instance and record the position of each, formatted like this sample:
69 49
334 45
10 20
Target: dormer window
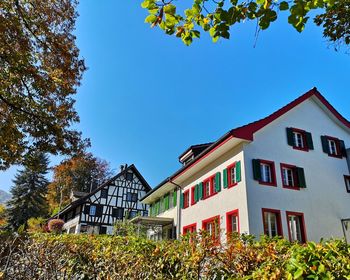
299 139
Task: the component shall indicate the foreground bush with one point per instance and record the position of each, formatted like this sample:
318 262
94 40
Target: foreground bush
46 256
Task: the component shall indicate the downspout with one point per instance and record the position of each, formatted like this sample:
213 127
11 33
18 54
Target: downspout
178 227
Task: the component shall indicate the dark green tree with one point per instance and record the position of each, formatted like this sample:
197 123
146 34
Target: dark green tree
29 191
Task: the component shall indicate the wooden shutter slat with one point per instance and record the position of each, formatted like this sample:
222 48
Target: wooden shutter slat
218 182
301 177
256 169
225 178
325 145
342 148
182 200
290 137
175 198
238 171
309 142
200 191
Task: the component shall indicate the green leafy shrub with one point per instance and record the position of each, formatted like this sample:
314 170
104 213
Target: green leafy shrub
47 256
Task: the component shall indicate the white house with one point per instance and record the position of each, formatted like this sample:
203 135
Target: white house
286 174
116 199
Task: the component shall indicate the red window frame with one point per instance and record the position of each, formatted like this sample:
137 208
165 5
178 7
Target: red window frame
337 143
229 222
278 220
347 183
186 197
303 134
231 184
216 221
193 201
295 178
212 190
273 173
192 228
303 228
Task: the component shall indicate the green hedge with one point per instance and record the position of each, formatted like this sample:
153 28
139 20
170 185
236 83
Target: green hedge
48 256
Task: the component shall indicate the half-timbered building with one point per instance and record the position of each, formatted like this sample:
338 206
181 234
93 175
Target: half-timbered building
116 199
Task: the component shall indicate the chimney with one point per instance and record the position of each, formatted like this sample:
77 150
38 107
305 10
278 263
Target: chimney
123 167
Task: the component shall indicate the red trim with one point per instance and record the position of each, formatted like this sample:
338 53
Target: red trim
273 173
295 178
193 202
347 183
303 228
303 134
228 221
212 191
186 197
246 132
229 182
337 143
279 220
189 228
216 221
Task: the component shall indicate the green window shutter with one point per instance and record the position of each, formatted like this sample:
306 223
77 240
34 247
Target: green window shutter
290 137
238 171
224 174
301 177
196 193
342 148
175 198
218 181
256 169
182 200
309 142
200 191
166 202
325 146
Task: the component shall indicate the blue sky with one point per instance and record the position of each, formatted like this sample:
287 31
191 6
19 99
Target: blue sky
146 97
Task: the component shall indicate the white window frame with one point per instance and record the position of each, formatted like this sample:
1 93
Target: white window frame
295 225
234 222
288 173
298 139
268 220
266 173
333 149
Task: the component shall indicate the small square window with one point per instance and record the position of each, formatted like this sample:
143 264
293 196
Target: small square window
347 183
334 147
296 228
272 222
186 198
129 176
104 193
212 227
232 222
132 197
92 211
299 139
264 172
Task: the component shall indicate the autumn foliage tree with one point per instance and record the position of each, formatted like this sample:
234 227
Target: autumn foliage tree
40 71
217 17
79 173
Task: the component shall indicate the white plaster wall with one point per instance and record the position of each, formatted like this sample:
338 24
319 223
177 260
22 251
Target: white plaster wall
325 200
70 223
224 201
171 213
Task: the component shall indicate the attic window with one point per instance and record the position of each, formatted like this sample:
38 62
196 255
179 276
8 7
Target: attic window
129 176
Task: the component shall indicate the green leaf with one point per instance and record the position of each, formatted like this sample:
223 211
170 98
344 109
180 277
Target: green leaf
150 18
260 2
170 9
298 274
145 4
284 6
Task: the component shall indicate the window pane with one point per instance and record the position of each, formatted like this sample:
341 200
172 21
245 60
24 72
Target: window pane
270 220
92 210
234 224
233 175
295 228
298 139
266 173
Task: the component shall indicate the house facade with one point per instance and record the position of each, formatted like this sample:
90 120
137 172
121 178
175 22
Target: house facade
287 174
116 199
